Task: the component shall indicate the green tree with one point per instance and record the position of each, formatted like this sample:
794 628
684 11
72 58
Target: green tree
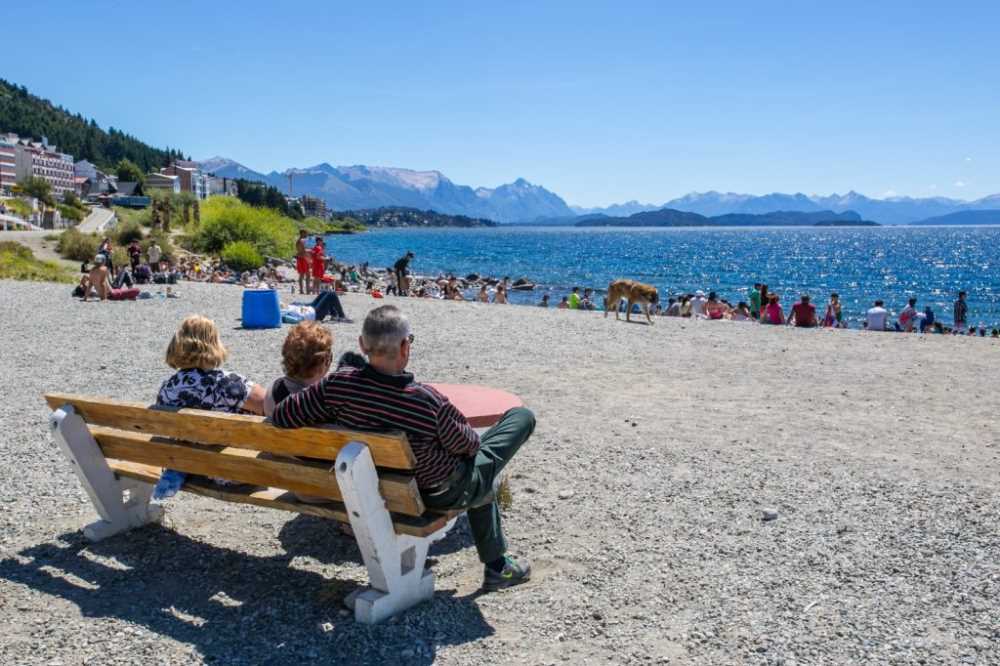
38 188
129 172
70 199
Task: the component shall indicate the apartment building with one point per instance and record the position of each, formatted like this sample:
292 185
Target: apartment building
40 160
190 176
314 207
8 164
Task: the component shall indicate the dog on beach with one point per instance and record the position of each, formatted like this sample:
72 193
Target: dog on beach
635 292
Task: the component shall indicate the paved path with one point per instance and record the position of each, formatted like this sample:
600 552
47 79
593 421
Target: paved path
97 221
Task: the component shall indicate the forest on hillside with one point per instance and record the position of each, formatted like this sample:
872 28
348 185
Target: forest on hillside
32 117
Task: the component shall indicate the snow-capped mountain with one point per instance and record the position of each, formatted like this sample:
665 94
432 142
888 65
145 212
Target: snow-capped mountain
360 186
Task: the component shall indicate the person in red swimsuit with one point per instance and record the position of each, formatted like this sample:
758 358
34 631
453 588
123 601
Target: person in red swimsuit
318 262
302 263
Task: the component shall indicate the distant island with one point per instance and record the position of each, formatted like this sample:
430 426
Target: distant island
668 217
970 217
397 216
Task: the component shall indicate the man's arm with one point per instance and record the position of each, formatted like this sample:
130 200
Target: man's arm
307 407
454 431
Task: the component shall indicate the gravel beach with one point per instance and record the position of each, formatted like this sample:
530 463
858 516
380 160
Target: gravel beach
695 493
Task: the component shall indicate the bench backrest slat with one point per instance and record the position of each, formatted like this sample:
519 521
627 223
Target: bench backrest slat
236 464
389 450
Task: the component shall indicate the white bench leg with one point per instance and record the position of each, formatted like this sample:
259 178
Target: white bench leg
395 562
103 488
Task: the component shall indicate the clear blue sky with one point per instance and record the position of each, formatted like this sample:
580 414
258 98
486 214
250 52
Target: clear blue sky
598 102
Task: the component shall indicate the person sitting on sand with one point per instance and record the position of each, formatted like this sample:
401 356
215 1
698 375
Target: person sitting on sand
713 309
451 290
587 302
563 304
500 296
196 354
698 304
99 279
803 314
834 313
327 304
484 294
455 468
686 310
908 316
306 357
574 299
741 312
673 308
772 314
545 301
877 318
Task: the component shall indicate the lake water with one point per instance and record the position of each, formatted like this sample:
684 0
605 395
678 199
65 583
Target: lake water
862 264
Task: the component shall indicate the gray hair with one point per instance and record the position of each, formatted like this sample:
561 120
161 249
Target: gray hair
384 328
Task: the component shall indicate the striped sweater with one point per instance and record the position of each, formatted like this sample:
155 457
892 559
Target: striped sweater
366 399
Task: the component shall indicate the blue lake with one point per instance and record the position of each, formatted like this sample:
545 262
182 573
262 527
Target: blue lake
861 264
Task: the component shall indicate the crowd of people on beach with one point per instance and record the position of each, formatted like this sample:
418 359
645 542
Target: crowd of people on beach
456 467
321 276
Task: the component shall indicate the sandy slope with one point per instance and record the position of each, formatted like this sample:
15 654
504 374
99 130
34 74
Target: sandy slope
880 453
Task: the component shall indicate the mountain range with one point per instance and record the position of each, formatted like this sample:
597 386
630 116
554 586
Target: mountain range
361 187
669 217
895 210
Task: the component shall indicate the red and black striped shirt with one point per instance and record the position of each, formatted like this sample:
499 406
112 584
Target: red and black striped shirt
366 399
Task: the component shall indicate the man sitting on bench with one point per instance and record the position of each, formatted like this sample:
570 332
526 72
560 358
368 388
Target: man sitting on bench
455 469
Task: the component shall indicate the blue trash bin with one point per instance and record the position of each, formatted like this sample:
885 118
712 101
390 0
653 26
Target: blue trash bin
261 308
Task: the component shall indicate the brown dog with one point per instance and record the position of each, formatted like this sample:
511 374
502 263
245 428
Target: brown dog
635 292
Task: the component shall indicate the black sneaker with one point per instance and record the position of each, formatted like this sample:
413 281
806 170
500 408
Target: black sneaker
514 573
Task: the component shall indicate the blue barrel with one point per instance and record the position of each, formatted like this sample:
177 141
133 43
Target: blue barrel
261 308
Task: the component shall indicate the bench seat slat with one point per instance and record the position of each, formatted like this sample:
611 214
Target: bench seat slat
276 498
389 450
318 479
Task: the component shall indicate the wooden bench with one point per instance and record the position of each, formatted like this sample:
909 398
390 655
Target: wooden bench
119 448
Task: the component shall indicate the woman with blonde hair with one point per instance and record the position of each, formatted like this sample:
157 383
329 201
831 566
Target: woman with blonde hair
197 354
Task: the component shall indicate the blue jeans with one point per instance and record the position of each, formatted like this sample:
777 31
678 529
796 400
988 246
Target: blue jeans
328 303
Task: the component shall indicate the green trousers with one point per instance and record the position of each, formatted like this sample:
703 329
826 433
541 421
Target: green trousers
498 446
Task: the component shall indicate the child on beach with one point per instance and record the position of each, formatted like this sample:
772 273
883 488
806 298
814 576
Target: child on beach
197 354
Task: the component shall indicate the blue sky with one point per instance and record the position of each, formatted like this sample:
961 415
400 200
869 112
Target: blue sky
600 102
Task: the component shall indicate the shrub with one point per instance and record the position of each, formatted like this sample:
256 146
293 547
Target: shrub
127 232
18 262
242 256
78 246
18 207
225 220
119 257
71 213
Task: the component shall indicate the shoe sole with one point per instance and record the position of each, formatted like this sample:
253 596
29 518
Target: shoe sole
496 587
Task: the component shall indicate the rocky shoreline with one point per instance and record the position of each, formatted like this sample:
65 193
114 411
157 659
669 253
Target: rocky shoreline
695 493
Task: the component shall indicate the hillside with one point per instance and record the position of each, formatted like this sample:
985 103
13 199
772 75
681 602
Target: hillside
411 217
675 218
970 217
33 117
369 187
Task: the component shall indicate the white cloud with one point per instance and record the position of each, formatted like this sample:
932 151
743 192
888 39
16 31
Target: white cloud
888 194
968 159
959 183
